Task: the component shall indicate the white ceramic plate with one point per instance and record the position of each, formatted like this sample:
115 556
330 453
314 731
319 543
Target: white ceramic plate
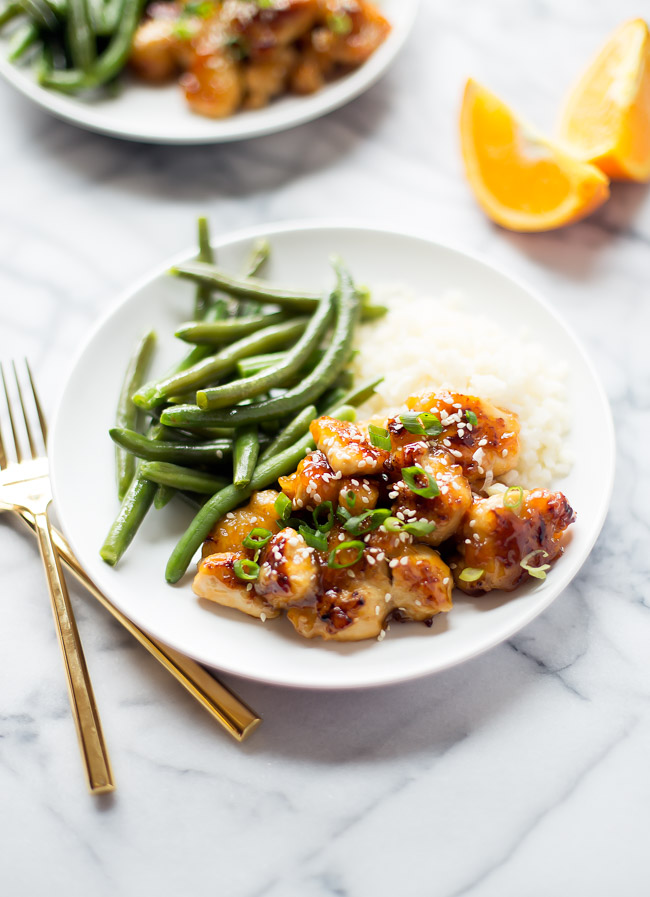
82 467
160 114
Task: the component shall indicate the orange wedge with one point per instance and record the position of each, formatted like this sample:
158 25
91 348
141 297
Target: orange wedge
522 181
606 119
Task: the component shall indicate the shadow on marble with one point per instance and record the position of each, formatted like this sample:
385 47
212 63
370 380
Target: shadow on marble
203 173
576 251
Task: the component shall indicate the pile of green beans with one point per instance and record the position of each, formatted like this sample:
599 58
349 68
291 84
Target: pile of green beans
80 44
266 362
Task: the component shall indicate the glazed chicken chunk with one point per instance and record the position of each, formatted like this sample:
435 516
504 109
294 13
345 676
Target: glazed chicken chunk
288 571
217 581
482 438
315 482
445 509
347 447
495 540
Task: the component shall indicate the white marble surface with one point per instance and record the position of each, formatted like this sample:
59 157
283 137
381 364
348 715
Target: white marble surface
524 772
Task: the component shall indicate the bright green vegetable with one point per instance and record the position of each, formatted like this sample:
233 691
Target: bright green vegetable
235 392
24 37
345 546
126 415
412 477
203 295
291 433
81 39
249 366
207 453
215 333
135 505
245 454
181 478
210 369
313 385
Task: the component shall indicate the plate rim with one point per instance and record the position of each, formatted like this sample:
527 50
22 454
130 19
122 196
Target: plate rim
22 80
271 229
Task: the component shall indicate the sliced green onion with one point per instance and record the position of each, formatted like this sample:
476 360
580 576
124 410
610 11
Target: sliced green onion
343 513
471 418
379 437
345 546
246 569
431 424
513 498
282 507
313 538
470 574
350 498
411 422
537 572
339 23
317 513
366 522
417 528
409 475
257 538
421 423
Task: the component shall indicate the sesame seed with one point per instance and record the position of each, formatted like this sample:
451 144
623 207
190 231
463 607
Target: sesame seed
387 597
377 609
404 561
381 636
418 602
263 618
445 581
504 453
393 563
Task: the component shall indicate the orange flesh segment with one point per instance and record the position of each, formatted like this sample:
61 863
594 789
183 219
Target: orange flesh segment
606 119
522 181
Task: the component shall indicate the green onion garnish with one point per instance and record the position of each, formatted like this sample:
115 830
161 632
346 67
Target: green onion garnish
366 522
379 437
340 23
417 528
409 475
470 574
350 498
537 572
257 538
246 569
513 498
326 526
343 513
282 507
411 422
421 423
313 538
471 418
345 546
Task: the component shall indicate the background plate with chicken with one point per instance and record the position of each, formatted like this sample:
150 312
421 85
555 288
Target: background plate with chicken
162 113
272 651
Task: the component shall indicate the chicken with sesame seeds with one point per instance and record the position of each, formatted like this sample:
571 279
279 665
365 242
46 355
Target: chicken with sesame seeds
237 54
288 571
508 534
446 509
480 437
347 447
350 542
315 481
217 580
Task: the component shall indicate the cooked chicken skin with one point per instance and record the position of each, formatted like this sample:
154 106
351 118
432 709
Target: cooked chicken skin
495 539
231 530
421 585
445 510
241 54
348 592
217 581
490 444
347 447
315 481
288 571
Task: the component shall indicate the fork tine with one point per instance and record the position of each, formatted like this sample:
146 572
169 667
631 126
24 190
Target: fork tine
3 454
19 456
39 409
30 438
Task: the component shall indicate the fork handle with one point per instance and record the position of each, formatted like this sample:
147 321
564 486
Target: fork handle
82 699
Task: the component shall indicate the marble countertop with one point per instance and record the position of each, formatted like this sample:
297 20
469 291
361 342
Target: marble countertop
523 772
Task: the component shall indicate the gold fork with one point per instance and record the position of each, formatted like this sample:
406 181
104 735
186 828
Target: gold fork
25 488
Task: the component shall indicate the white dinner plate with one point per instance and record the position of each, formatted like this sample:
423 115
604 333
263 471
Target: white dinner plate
156 114
84 489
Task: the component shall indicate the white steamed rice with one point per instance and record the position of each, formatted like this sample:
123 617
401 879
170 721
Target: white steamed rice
424 344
